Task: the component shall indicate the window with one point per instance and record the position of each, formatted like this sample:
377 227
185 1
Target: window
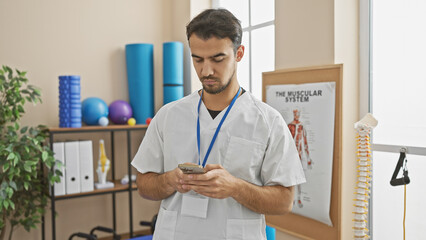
393 60
257 20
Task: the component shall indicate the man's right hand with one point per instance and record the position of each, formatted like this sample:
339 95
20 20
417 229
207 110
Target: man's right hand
174 179
155 186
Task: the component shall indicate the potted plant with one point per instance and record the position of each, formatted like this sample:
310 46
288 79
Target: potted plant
26 159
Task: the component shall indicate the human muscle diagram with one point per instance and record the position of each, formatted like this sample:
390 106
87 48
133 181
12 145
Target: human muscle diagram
300 139
309 111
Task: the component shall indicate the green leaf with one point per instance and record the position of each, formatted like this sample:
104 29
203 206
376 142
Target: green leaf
2 196
49 164
6 204
24 129
26 185
3 186
37 92
11 156
6 166
13 185
12 205
44 156
9 71
21 109
58 173
21 74
27 167
9 192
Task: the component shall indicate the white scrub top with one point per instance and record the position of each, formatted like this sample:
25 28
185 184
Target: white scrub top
253 144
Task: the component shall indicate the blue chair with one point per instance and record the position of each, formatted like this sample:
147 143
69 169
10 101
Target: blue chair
270 233
147 237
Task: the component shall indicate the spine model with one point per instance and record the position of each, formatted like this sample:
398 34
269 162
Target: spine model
364 176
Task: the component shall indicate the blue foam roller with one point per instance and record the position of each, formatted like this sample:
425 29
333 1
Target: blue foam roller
75 89
74 78
69 101
75 120
75 113
140 77
172 93
76 125
172 63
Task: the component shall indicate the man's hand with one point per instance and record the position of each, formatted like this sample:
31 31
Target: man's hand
156 186
215 183
174 180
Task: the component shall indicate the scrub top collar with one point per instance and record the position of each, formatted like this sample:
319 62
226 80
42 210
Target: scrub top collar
205 117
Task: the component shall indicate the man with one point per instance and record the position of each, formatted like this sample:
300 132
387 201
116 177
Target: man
244 145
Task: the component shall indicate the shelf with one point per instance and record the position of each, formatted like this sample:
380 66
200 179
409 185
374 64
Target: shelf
118 187
98 128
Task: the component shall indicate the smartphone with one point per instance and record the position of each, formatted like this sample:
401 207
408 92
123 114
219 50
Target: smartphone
191 168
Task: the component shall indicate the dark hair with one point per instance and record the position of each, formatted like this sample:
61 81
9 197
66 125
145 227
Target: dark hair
219 23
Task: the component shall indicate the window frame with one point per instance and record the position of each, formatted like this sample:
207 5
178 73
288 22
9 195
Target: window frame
249 29
366 90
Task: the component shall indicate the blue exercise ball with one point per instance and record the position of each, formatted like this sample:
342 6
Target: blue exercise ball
93 109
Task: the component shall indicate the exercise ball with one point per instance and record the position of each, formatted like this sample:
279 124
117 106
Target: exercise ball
93 109
103 121
131 122
120 111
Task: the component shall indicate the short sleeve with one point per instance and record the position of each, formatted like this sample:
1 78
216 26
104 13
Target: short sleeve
281 164
149 157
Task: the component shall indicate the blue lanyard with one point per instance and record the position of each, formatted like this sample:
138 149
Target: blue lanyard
217 129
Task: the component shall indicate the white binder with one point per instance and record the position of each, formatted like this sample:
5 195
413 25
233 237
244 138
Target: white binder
72 167
86 166
58 150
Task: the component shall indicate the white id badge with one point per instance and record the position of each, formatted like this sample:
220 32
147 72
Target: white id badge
194 205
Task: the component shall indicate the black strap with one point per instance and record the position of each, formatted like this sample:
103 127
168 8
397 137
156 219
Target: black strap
404 180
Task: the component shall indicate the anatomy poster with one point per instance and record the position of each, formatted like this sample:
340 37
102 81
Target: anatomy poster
308 109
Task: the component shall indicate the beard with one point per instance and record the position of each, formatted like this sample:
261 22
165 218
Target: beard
214 89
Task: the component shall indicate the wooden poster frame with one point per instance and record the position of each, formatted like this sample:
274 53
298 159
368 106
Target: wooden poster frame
297 225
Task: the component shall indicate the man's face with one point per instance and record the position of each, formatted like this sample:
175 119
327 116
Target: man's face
215 62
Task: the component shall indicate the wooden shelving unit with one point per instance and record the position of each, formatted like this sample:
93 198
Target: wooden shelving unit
118 187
